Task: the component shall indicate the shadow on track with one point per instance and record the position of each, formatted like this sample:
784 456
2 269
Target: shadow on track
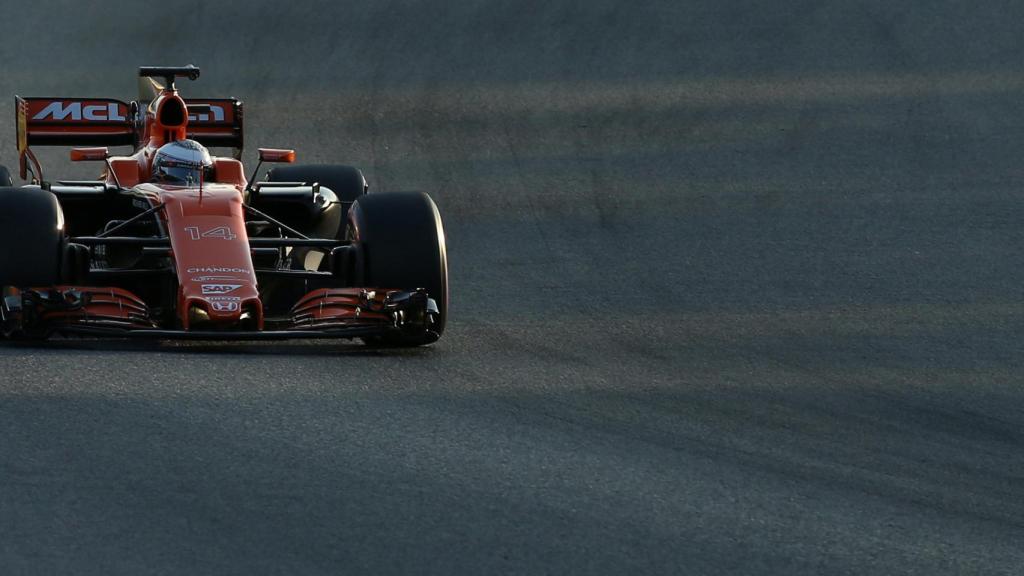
285 348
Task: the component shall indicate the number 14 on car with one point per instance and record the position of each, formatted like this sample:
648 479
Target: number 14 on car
221 232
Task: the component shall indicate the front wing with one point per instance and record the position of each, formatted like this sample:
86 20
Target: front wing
113 312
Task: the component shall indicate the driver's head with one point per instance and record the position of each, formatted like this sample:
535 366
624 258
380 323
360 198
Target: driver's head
182 162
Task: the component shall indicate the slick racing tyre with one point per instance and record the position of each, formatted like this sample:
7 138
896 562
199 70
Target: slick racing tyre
399 243
31 238
347 183
318 220
5 177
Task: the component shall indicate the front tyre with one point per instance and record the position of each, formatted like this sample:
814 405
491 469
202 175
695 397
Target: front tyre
31 238
31 245
399 243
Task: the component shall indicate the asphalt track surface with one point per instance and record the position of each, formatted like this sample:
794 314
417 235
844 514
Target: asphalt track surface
736 289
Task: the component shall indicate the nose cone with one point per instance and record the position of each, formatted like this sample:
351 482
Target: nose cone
218 296
223 313
217 284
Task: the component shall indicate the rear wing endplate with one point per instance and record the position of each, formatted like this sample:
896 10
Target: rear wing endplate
70 122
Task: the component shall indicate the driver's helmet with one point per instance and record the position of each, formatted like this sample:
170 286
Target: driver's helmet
182 162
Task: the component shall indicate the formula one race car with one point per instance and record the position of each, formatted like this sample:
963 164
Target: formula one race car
172 242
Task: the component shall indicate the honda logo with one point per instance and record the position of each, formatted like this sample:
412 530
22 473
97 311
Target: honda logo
224 306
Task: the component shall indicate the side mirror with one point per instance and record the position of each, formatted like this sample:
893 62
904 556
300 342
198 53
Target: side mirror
89 154
95 155
276 155
269 155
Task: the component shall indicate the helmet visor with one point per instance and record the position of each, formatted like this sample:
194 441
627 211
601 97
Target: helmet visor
178 172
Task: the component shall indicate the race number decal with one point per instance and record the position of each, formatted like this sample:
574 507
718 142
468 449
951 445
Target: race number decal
220 232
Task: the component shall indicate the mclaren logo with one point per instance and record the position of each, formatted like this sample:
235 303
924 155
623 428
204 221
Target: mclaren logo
107 111
217 111
220 288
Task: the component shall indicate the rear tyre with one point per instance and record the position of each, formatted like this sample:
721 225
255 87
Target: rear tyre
399 243
31 238
318 220
347 182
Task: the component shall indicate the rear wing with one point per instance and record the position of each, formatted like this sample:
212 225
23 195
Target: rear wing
69 122
74 122
215 122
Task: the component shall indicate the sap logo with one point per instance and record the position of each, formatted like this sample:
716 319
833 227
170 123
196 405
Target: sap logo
218 115
225 306
75 111
220 288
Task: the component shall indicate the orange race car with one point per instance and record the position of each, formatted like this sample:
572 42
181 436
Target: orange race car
172 242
